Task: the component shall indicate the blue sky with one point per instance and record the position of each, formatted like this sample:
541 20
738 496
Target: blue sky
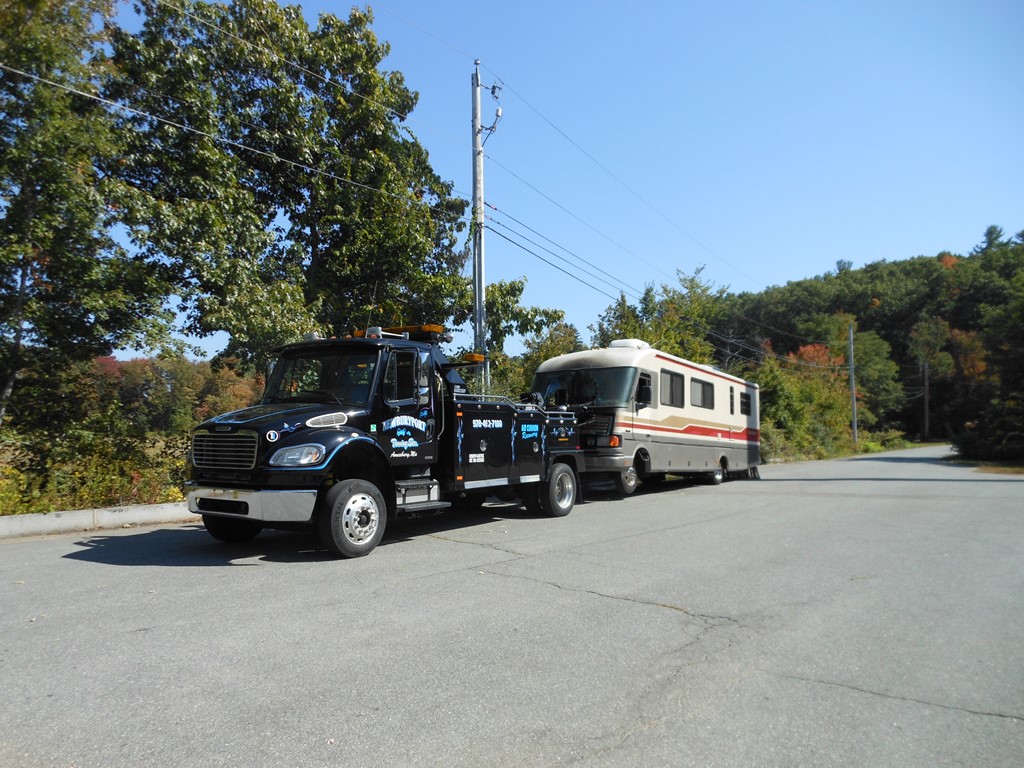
761 141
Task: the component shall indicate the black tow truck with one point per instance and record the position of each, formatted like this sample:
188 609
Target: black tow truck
353 432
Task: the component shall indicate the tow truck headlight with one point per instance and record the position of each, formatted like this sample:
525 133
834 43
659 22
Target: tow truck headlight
298 456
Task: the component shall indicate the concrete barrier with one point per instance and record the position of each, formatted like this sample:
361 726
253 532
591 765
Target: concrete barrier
12 526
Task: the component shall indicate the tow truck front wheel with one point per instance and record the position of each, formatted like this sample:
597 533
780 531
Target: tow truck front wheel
353 518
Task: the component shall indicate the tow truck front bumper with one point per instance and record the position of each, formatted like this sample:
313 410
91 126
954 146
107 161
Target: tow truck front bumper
294 506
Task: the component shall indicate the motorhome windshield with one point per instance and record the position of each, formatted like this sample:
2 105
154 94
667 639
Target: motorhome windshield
322 376
587 386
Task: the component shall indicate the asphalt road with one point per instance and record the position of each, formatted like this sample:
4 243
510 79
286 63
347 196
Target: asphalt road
862 612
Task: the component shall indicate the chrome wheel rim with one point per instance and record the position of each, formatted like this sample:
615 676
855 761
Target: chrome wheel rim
360 518
564 490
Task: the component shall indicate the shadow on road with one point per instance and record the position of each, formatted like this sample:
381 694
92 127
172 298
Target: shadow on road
941 461
191 546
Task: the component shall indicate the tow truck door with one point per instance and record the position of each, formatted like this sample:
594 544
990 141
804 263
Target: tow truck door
408 428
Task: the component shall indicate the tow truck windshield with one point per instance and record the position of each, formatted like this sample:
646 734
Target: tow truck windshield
611 387
322 376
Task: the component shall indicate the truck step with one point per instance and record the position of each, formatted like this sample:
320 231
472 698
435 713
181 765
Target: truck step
418 507
415 484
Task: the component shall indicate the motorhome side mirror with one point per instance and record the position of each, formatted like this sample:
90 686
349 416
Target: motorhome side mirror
644 394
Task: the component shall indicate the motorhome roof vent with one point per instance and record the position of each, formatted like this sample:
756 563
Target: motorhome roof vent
629 343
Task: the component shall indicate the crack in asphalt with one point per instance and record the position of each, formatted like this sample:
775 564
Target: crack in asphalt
482 544
623 598
903 698
590 542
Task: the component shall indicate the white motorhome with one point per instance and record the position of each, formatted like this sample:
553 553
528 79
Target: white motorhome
644 414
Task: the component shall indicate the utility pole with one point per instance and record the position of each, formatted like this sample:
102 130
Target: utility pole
479 285
479 310
853 388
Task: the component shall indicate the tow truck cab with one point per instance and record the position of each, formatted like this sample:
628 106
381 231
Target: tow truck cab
353 431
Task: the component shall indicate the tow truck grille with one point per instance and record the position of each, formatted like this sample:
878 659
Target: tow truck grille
236 450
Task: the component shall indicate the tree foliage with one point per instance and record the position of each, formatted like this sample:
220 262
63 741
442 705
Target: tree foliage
122 429
66 285
257 172
270 166
674 319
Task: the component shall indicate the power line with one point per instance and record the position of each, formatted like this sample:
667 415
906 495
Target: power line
547 250
214 137
618 283
551 263
619 181
317 171
351 91
589 226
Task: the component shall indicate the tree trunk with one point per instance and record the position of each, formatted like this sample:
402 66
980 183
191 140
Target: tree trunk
18 321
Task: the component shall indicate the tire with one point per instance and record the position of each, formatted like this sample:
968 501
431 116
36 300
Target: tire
231 530
558 494
353 518
716 477
627 482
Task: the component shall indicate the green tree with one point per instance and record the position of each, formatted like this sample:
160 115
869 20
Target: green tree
560 339
506 315
879 390
678 320
623 320
993 240
66 286
998 432
928 340
270 165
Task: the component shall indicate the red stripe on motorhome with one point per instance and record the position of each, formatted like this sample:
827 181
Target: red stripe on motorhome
694 430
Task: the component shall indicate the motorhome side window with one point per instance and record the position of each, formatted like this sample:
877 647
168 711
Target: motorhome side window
702 393
744 403
399 378
672 388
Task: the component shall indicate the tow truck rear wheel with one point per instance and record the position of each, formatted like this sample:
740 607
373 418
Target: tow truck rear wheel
353 518
558 495
231 530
